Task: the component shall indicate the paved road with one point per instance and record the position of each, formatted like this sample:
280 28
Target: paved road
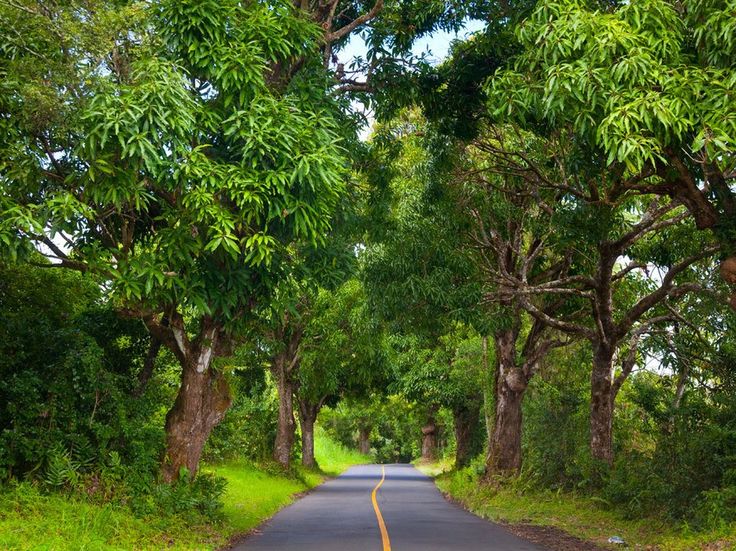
340 516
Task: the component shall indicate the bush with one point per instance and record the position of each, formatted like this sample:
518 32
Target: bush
672 462
555 437
70 367
70 416
684 469
248 430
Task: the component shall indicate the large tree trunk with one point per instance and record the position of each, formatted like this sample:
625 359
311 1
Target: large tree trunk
203 399
504 452
466 417
429 440
284 368
307 417
602 396
286 427
364 440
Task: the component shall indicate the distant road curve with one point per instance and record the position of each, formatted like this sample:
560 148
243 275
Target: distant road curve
380 508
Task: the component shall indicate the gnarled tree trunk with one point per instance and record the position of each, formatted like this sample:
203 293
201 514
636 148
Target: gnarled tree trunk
602 396
429 440
504 451
202 400
364 439
307 417
200 405
466 418
284 368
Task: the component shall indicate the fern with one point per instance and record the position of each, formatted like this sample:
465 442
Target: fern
60 469
83 454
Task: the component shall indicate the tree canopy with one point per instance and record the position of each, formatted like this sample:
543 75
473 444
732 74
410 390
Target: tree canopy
225 236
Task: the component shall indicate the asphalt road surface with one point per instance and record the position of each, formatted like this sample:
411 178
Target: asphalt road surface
380 508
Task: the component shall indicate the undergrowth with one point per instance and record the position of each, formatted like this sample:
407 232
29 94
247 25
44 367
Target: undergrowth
71 508
588 517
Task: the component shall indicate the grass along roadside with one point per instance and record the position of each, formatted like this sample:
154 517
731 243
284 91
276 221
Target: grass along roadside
583 517
30 519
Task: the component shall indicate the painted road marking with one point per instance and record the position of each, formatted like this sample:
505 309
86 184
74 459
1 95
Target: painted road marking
379 516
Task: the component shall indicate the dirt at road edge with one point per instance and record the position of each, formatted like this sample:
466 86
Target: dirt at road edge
552 538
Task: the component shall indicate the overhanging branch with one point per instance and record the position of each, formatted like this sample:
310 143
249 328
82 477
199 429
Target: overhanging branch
354 24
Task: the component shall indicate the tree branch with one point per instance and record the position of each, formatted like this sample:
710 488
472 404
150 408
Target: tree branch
564 326
338 34
664 290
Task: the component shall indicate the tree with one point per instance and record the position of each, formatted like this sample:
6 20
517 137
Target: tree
176 149
189 145
416 276
643 88
461 227
442 373
294 305
465 379
507 230
615 246
343 355
286 339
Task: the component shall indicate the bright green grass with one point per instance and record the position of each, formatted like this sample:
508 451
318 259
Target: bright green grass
584 517
333 458
31 520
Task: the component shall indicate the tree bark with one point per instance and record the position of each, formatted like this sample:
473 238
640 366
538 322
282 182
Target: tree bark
284 367
429 440
307 417
364 440
488 400
148 366
286 426
466 417
504 453
201 403
602 396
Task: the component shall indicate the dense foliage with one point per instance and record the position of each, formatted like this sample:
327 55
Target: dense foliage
526 270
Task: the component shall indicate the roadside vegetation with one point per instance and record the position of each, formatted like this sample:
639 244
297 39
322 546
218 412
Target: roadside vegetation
585 517
231 250
31 518
588 518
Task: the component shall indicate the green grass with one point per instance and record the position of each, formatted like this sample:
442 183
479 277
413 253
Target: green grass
581 516
334 458
434 468
30 519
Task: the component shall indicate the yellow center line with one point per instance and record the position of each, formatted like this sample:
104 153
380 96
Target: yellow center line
379 516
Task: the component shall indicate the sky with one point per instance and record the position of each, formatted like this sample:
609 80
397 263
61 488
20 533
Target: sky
436 46
438 43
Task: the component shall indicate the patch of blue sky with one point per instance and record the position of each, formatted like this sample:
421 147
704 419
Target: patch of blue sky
434 48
